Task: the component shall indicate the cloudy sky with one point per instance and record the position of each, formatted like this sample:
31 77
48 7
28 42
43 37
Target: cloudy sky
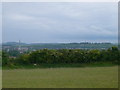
60 22
0 22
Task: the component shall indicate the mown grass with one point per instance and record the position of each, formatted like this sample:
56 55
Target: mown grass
63 65
79 77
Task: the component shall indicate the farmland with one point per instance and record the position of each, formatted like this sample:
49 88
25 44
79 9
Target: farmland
84 77
61 68
59 45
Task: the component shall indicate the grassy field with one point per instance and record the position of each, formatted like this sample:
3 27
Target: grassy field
0 78
87 77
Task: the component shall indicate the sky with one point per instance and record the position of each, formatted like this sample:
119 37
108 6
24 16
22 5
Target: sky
60 22
0 22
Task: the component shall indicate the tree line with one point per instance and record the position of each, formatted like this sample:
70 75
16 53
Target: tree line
65 56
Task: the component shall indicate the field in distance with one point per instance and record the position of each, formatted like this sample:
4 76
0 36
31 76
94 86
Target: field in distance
87 77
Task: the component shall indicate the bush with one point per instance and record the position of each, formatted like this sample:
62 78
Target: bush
67 56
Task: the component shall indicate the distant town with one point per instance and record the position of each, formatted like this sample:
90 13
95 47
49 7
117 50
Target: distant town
23 47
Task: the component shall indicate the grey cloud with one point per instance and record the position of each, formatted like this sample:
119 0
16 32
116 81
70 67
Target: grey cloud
60 22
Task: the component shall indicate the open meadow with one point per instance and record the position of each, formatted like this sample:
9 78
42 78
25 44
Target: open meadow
60 44
83 77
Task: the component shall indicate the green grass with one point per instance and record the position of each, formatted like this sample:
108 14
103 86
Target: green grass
63 65
84 77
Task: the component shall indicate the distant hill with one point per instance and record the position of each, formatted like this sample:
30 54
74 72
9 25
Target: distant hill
82 45
12 43
74 46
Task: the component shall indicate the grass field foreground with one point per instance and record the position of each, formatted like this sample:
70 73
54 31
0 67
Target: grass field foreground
87 77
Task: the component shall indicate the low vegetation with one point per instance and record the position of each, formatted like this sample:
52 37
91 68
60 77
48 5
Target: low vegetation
62 56
63 68
88 77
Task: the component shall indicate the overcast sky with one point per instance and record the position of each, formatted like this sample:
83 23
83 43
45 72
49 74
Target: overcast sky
60 22
0 22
